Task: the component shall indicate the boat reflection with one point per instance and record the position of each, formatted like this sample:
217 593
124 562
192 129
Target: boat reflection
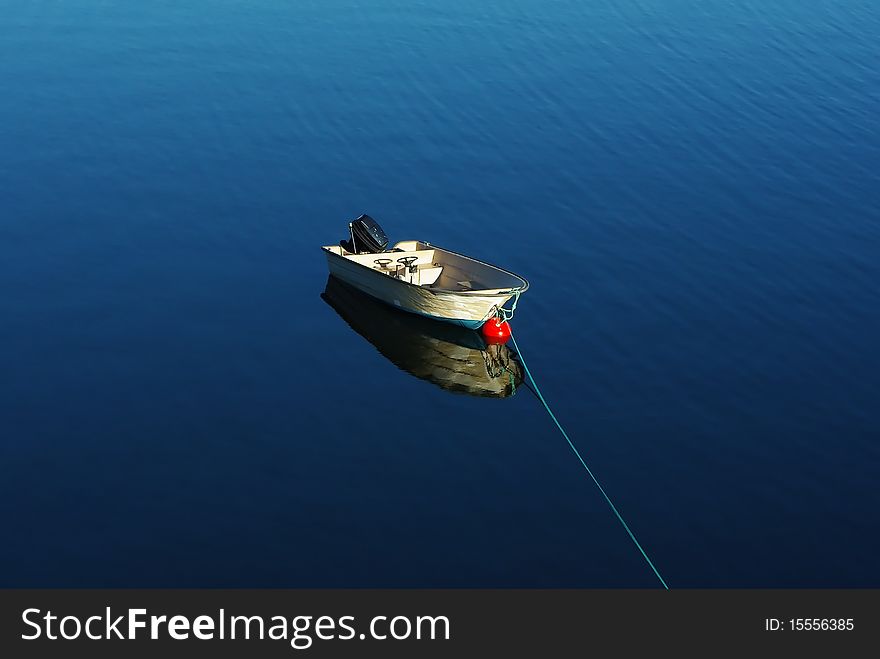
453 358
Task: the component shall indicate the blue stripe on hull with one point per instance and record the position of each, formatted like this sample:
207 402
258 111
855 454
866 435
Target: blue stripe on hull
470 324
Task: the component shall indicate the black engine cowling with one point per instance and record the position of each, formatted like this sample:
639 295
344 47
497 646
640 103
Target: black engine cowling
367 237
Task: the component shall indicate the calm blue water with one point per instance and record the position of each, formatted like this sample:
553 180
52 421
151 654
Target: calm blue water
692 188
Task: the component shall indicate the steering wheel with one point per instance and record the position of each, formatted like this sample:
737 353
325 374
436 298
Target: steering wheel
382 263
408 262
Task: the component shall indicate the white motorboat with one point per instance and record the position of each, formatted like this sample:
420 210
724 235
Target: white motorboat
421 278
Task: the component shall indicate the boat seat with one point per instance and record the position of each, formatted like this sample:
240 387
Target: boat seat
426 274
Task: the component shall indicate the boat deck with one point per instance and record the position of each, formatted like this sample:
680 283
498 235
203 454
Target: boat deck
433 268
428 272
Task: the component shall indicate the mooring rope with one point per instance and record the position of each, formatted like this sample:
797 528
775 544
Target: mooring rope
584 463
506 314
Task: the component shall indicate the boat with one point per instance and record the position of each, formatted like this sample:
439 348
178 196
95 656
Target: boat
453 358
421 278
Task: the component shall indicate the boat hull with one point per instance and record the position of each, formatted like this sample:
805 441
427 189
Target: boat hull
469 310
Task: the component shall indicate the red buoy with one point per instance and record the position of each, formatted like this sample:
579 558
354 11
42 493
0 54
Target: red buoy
496 330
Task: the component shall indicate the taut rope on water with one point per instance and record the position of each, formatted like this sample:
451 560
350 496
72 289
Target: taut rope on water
583 462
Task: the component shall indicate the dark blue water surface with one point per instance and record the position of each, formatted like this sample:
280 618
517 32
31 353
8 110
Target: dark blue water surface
692 188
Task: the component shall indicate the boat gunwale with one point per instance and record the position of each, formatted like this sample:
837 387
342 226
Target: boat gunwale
496 292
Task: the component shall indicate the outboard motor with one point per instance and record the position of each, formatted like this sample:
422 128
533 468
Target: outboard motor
367 237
